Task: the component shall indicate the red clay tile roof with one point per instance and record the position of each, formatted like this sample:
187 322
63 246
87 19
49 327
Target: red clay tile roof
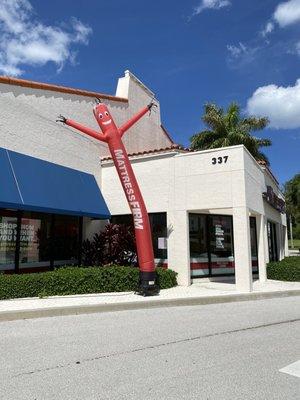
155 151
56 88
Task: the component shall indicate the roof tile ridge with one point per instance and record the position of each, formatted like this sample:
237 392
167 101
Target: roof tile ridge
58 88
144 152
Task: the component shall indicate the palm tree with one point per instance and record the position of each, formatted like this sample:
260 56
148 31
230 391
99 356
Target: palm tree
292 198
230 129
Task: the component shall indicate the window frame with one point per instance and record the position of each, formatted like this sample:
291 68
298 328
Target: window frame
20 216
130 217
208 223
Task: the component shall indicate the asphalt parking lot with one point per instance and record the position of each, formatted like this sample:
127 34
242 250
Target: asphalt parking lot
221 351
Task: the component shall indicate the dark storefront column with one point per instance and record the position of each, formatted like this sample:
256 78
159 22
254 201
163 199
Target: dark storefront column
80 240
18 244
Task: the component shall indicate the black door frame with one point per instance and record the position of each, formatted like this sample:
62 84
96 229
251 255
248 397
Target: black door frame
256 243
208 225
272 241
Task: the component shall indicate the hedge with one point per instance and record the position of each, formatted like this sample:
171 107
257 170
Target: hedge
75 280
287 269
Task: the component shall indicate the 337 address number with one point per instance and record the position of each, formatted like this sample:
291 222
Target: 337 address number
219 160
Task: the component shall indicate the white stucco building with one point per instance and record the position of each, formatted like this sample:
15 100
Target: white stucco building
213 213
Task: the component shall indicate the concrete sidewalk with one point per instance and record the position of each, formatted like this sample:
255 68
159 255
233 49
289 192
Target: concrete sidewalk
196 294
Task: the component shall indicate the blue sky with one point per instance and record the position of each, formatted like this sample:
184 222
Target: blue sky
187 52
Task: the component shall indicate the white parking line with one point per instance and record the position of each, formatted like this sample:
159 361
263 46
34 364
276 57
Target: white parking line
292 369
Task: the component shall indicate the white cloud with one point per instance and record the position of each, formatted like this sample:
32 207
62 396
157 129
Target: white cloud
287 13
211 4
237 51
269 27
241 55
280 104
27 41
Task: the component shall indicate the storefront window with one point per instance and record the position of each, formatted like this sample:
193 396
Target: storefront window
211 245
253 239
65 239
35 240
221 245
198 245
158 223
8 236
31 240
272 241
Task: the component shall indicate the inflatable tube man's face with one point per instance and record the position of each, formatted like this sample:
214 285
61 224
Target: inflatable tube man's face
104 117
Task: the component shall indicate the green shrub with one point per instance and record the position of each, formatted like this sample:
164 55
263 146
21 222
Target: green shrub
166 278
287 269
74 280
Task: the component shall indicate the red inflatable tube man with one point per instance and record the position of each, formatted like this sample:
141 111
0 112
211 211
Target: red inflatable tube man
112 135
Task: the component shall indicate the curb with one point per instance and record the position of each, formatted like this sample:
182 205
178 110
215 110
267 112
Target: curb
139 305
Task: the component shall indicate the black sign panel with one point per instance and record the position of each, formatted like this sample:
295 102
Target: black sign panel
274 200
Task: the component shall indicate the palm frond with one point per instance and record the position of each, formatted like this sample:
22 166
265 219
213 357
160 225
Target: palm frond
202 140
263 142
254 124
214 117
229 129
233 115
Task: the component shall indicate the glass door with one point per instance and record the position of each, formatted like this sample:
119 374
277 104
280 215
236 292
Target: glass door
221 245
272 241
198 245
211 245
253 240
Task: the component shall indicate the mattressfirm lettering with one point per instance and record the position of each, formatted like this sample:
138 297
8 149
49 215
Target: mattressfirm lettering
129 190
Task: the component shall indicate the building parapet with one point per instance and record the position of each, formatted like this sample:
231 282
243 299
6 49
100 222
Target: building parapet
175 149
139 82
57 88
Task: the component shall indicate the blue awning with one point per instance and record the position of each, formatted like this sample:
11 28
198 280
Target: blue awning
28 183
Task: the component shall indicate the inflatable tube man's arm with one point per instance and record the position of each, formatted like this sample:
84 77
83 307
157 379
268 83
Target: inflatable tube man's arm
82 128
135 118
